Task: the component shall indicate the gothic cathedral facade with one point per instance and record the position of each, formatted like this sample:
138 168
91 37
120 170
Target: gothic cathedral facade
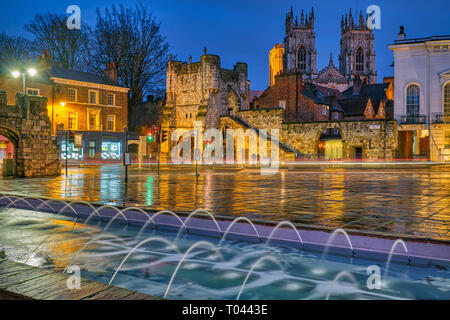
356 58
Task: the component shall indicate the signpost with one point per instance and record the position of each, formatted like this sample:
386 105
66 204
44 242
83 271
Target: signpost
197 153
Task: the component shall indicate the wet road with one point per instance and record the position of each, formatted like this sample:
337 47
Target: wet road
414 202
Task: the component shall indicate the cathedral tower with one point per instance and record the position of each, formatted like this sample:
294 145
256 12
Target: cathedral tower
357 56
299 45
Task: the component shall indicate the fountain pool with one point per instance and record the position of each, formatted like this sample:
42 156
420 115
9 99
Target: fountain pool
180 265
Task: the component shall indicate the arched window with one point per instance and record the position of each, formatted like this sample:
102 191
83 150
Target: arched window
413 101
447 100
302 59
359 60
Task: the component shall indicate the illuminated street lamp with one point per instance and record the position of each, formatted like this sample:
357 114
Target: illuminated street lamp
32 72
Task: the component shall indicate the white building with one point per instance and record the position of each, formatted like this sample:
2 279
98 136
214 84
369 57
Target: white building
422 96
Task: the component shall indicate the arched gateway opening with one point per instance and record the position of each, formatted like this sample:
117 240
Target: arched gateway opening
330 145
7 156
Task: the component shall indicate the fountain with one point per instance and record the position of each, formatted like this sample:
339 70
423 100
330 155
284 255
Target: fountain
195 245
340 275
257 263
396 243
231 225
332 236
288 223
170 244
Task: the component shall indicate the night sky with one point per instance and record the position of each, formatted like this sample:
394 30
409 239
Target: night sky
245 30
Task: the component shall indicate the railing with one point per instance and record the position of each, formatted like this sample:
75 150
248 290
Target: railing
413 119
442 118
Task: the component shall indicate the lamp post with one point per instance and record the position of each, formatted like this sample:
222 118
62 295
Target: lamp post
32 72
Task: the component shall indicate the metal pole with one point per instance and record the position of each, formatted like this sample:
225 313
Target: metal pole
67 151
23 81
159 146
126 152
196 159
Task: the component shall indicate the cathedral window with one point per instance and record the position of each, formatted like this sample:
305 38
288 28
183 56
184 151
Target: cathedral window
413 100
359 60
302 59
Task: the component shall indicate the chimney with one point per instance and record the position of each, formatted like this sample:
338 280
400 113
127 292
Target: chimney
45 60
111 72
357 84
402 34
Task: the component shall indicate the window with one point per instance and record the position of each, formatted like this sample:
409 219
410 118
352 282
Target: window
72 94
32 92
335 115
73 121
413 101
110 122
93 120
91 149
110 99
447 100
93 95
447 139
324 110
359 60
302 59
282 104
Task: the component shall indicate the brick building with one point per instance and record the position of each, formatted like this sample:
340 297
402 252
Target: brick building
94 107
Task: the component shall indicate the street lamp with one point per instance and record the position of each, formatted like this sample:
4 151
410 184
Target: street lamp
32 72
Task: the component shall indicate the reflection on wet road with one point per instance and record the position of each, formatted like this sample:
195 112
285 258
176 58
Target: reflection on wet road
413 202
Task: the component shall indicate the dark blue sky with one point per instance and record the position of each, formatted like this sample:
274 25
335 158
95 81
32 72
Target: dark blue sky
245 30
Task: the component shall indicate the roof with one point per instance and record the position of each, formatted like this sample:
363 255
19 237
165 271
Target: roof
56 72
422 40
324 96
255 94
376 92
354 106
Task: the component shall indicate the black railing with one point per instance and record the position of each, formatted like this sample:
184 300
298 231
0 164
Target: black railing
413 119
442 118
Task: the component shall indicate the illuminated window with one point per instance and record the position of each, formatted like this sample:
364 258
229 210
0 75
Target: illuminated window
447 139
93 97
302 59
110 99
359 60
93 120
71 94
32 91
447 100
73 121
413 101
110 122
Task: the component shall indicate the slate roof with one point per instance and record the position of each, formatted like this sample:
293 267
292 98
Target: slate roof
376 92
323 95
354 106
57 72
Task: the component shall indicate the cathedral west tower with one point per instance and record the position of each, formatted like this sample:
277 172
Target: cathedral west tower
299 45
357 55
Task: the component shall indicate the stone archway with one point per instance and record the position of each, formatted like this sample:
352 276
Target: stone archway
8 154
330 144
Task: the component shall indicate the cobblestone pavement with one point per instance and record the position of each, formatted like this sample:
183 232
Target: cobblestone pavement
408 202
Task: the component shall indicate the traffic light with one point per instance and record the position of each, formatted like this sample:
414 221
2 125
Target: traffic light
150 137
163 136
71 136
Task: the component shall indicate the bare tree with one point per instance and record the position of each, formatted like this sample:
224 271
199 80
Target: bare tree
65 46
130 37
14 51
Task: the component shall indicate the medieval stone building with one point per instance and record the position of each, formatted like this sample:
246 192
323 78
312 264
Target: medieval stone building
202 92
